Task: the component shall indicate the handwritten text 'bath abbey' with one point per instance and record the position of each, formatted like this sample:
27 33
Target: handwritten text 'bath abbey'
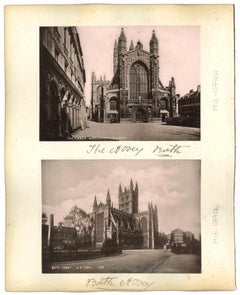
108 282
157 150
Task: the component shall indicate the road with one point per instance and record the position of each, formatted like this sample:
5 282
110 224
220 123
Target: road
134 261
136 131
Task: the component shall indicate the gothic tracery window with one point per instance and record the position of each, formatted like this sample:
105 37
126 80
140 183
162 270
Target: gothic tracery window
138 81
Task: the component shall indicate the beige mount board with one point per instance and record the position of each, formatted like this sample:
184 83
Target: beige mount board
25 153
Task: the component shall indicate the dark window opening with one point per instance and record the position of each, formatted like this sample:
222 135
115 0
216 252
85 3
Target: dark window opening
113 105
138 82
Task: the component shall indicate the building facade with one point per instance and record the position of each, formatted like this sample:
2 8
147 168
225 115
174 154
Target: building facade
98 98
184 242
62 83
58 237
127 225
136 92
189 107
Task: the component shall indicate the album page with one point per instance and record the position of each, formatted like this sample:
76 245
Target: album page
119 147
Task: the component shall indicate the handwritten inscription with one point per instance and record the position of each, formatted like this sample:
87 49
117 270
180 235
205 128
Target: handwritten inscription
215 216
98 149
159 151
109 281
132 282
102 282
168 151
215 83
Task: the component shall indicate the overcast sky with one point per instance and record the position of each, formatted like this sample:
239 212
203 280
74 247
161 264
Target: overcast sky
174 186
179 52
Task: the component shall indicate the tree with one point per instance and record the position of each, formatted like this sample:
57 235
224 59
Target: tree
77 218
161 240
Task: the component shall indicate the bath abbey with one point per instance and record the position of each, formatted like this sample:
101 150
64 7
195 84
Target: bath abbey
125 224
135 92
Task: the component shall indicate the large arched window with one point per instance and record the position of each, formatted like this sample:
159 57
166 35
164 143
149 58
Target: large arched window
138 81
144 225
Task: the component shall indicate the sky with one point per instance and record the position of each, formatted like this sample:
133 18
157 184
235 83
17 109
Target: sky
174 186
179 52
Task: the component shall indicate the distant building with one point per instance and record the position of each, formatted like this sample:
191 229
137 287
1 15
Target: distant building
62 83
184 242
189 107
136 92
177 236
58 237
98 97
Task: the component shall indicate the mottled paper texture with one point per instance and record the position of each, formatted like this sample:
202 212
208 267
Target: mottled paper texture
24 151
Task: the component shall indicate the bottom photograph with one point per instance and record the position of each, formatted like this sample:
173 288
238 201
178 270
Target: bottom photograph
121 216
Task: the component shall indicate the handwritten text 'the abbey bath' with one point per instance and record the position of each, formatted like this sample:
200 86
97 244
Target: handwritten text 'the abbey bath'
159 151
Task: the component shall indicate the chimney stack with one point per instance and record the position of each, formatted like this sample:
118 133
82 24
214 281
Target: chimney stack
51 220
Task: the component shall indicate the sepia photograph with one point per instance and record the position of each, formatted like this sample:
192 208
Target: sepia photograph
120 83
118 216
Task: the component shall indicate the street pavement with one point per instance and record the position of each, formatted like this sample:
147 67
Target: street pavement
136 131
134 261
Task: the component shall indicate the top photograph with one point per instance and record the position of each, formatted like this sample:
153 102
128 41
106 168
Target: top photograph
120 83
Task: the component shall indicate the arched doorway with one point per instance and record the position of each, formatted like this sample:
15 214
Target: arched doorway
113 110
141 115
164 109
54 114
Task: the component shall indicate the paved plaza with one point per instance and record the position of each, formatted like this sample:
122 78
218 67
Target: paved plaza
137 131
134 261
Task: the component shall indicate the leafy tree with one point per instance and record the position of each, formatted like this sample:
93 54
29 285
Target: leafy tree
161 240
77 218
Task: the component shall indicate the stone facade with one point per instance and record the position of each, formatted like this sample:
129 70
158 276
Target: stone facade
189 106
136 92
178 236
99 96
62 82
127 225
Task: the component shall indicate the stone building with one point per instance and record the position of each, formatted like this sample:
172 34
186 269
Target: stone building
58 237
189 107
62 82
136 92
127 225
99 96
178 236
184 242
